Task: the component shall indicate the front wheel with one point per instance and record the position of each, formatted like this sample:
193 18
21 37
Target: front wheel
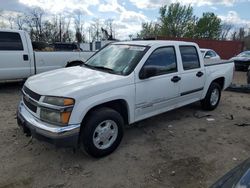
212 99
102 132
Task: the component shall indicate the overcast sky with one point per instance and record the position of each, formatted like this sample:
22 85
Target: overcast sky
129 14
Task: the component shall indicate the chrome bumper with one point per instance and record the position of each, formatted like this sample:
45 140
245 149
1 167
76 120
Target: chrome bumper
65 136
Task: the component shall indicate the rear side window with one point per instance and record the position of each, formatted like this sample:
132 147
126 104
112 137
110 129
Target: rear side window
10 41
190 58
163 59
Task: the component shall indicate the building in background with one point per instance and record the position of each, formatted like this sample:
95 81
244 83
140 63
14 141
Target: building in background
225 49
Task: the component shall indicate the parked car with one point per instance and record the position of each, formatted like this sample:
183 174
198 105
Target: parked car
19 61
242 61
209 55
239 177
125 82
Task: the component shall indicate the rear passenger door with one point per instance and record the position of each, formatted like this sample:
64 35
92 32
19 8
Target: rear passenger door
14 59
192 75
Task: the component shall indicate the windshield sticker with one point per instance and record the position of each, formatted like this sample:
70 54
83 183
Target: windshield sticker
137 48
123 46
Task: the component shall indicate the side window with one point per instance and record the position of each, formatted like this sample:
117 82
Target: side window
214 53
163 59
190 58
10 41
210 54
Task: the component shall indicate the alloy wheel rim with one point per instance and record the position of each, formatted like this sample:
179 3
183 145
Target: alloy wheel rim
105 134
214 97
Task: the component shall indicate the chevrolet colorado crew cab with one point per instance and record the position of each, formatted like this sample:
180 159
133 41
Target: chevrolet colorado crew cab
19 61
87 106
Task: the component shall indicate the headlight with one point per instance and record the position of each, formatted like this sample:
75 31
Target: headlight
59 112
59 101
56 117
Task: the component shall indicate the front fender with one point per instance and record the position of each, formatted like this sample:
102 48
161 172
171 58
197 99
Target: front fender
84 105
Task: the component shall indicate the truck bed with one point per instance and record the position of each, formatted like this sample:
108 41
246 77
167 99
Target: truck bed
218 63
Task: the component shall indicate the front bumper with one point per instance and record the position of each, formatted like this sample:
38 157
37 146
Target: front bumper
60 136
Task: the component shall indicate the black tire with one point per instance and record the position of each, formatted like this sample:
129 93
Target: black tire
94 119
206 102
248 76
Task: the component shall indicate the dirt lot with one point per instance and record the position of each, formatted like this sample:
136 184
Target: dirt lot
240 78
176 149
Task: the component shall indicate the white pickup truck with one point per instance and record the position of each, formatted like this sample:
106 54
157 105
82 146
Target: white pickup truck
19 61
88 105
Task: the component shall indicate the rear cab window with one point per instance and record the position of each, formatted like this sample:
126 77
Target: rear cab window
10 41
190 57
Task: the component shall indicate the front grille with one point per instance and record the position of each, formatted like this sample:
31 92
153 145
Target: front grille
29 98
32 107
32 94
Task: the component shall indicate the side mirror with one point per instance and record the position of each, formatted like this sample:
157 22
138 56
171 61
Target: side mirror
207 56
147 72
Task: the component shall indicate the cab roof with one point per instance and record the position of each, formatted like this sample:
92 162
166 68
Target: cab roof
155 42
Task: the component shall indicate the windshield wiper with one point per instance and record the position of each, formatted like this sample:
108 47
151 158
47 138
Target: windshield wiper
86 65
101 68
104 68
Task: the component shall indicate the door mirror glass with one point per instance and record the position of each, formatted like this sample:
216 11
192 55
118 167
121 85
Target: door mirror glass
207 56
147 72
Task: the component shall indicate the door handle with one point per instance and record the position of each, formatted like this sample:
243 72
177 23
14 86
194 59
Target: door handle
199 74
26 57
176 79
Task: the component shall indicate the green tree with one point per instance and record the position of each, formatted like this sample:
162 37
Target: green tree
208 26
148 30
177 20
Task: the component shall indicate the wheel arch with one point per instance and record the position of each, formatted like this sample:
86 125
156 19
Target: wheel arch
220 80
119 105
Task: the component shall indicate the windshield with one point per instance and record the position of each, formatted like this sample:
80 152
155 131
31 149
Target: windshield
244 54
117 59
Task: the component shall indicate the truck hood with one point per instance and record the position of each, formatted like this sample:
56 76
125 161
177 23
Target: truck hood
66 81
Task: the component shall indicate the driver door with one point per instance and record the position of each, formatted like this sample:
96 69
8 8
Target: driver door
160 91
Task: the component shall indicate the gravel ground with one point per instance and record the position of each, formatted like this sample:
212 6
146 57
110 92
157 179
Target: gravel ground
240 77
186 147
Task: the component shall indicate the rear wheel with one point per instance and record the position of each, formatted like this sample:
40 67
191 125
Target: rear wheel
102 132
212 99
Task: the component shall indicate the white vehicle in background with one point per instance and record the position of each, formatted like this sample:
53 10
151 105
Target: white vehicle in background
19 61
242 61
125 82
209 55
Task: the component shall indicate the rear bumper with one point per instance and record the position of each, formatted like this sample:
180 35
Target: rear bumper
242 65
60 136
